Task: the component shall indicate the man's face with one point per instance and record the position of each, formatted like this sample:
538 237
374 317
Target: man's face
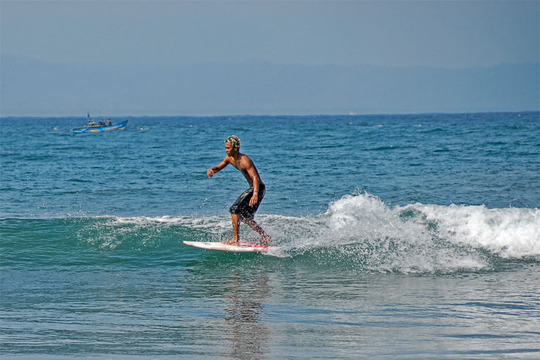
229 149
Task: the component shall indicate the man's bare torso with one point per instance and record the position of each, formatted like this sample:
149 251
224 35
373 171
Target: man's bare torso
244 159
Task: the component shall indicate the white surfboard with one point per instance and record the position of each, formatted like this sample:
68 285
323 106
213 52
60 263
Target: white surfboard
218 246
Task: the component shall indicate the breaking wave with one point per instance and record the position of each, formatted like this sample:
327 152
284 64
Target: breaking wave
357 232
371 235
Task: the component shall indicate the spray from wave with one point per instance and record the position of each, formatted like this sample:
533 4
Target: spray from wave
358 232
422 238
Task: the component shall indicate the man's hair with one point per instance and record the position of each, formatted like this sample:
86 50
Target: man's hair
234 141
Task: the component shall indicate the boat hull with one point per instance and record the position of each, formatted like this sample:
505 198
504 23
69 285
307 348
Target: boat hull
119 126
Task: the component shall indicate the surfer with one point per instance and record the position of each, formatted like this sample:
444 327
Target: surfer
248 202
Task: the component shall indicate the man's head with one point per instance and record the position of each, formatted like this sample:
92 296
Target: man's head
234 141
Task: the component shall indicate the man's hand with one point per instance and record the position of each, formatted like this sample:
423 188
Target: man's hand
213 170
254 199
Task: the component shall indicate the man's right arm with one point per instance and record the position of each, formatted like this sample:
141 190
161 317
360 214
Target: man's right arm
211 172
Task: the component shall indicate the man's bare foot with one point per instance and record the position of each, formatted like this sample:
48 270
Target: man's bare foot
231 242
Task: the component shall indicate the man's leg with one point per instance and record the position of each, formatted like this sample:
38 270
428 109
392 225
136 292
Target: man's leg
235 218
256 227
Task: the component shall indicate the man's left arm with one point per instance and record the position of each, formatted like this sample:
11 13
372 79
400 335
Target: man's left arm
252 172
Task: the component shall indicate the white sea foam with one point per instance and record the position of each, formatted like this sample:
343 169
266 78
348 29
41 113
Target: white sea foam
414 238
509 232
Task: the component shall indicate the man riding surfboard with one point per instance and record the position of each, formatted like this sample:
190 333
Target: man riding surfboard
248 202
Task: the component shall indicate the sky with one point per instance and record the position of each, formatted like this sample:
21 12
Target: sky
440 34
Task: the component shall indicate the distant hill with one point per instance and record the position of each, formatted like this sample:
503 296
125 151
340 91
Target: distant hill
33 88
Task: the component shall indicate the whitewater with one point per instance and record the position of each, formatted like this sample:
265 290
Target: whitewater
358 230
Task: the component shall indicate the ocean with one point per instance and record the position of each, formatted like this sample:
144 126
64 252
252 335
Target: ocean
395 236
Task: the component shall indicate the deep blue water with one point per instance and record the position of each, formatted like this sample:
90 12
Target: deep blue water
411 236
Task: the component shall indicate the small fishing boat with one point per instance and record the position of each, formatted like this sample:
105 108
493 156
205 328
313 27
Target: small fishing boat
93 128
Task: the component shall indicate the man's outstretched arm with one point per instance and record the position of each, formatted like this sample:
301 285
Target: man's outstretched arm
212 171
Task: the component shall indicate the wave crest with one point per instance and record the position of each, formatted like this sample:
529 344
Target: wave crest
362 231
357 232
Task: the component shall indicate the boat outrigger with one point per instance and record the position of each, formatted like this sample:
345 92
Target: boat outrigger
94 127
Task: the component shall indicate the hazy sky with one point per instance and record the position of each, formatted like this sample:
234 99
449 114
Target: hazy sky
449 34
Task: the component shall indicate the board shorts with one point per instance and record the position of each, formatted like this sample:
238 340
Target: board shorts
241 205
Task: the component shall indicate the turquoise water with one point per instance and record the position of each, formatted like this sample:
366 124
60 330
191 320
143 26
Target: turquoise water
410 236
